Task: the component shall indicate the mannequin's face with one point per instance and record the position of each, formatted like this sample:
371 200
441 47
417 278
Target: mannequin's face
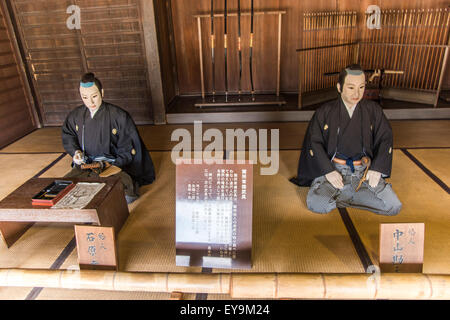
353 89
92 97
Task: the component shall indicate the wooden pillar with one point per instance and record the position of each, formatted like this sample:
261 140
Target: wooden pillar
152 53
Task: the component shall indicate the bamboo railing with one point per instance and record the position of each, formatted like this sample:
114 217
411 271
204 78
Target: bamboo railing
241 285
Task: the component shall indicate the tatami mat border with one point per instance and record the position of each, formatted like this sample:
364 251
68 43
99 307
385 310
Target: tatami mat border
426 170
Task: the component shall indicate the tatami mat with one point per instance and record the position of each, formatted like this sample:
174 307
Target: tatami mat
15 169
435 160
40 140
59 169
287 237
424 201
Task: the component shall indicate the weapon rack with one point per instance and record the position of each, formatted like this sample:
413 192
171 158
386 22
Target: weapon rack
234 99
414 41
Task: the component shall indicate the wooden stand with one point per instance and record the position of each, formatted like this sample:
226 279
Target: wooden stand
243 100
108 211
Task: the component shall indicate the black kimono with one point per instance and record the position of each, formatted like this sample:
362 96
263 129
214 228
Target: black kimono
111 133
325 130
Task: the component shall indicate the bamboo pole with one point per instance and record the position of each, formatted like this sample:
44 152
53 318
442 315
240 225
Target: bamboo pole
315 60
443 39
416 17
394 51
407 49
321 62
435 32
333 55
427 51
239 51
364 39
241 285
384 61
400 65
372 39
279 54
356 38
301 63
225 48
213 52
307 55
320 51
200 48
349 32
417 55
332 51
347 36
342 38
422 52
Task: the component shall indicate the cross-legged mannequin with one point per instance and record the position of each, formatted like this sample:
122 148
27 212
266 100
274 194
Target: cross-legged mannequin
339 135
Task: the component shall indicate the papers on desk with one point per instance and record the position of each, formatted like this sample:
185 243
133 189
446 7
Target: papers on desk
80 196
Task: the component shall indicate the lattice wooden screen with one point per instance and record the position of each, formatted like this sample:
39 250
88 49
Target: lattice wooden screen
110 44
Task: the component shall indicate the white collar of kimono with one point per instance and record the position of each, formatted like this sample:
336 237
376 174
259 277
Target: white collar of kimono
350 109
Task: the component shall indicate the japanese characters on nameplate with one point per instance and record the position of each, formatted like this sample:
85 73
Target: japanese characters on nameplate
401 247
96 247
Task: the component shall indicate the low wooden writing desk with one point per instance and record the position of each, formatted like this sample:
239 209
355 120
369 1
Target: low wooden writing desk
107 209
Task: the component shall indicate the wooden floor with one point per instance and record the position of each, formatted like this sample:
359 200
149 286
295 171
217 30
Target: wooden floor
287 237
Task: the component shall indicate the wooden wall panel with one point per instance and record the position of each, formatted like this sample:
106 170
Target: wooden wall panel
164 26
187 51
109 43
16 116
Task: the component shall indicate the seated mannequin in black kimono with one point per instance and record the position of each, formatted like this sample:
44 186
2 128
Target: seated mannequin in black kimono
339 135
101 132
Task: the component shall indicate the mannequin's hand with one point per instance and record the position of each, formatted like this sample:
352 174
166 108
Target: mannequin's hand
373 177
335 179
78 158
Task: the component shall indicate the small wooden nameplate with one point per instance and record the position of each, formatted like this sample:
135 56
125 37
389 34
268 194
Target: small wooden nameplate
401 247
96 248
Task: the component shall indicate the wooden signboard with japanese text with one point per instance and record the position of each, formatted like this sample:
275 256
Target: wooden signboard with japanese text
214 214
401 247
96 248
